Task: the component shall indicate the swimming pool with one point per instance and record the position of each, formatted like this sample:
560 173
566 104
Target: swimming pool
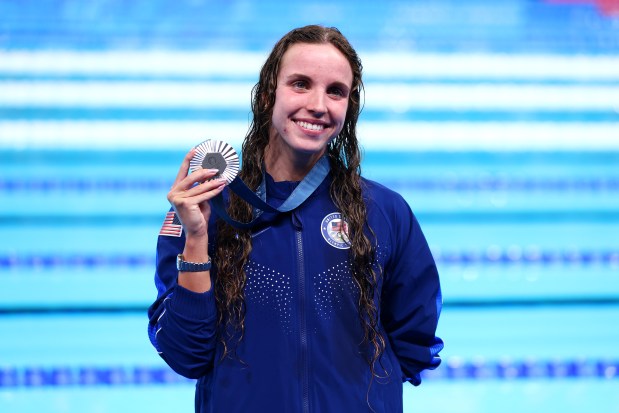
497 121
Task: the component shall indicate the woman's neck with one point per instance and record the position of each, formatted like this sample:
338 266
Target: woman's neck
283 166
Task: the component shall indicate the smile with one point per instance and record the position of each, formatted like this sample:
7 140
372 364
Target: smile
310 126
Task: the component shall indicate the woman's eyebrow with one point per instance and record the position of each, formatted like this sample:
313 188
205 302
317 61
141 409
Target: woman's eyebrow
298 76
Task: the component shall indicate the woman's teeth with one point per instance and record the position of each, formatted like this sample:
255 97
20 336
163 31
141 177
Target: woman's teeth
310 126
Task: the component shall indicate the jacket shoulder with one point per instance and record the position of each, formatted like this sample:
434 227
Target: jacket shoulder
386 200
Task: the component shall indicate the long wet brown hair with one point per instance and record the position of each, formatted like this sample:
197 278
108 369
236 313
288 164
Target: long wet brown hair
234 246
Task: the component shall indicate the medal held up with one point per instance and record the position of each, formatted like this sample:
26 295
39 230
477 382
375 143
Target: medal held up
213 154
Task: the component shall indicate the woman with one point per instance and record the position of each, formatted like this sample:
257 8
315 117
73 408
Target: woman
326 308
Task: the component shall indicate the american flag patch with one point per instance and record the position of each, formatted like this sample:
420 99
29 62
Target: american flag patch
339 226
171 225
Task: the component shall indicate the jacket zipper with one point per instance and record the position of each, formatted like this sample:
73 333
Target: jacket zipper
302 315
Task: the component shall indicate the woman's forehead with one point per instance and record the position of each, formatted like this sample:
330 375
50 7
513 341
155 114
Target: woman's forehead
316 59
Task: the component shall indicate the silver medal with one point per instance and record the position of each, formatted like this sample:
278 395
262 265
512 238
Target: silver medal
212 154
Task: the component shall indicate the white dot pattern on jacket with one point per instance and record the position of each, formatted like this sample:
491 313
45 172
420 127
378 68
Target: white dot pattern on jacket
269 290
330 287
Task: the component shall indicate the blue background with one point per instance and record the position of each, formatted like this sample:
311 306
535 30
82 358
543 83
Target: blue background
498 121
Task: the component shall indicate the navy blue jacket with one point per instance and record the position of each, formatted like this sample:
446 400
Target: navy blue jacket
303 348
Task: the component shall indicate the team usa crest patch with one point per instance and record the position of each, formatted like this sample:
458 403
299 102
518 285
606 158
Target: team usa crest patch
335 231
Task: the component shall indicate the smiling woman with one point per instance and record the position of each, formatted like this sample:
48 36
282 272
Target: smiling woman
327 307
311 100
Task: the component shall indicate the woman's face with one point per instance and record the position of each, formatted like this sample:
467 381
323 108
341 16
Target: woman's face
313 86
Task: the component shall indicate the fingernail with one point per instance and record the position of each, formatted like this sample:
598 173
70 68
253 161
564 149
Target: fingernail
213 170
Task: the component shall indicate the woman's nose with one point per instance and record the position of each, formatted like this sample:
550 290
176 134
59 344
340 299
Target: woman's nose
317 103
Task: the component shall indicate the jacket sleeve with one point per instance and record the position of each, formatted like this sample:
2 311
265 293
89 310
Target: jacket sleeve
411 296
182 324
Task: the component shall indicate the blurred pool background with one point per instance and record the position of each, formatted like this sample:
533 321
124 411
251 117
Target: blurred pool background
498 121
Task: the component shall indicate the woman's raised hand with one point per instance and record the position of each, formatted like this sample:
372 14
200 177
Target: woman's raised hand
190 194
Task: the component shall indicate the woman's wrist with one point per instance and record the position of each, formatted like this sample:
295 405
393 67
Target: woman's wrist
196 249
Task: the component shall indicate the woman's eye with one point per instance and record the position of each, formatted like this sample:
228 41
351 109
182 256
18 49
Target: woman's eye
299 84
336 91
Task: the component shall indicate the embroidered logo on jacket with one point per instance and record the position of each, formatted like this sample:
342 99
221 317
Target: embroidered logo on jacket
335 231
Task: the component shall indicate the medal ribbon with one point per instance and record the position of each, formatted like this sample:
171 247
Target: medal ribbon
306 187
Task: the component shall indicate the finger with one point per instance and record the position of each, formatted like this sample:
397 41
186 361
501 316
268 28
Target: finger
203 188
210 194
196 196
198 177
179 189
189 188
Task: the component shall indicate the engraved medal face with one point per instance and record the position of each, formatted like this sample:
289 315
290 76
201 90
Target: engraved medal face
212 154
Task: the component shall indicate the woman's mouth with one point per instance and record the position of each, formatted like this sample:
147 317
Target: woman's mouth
310 126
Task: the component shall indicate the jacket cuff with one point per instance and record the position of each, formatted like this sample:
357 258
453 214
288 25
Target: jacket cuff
193 305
